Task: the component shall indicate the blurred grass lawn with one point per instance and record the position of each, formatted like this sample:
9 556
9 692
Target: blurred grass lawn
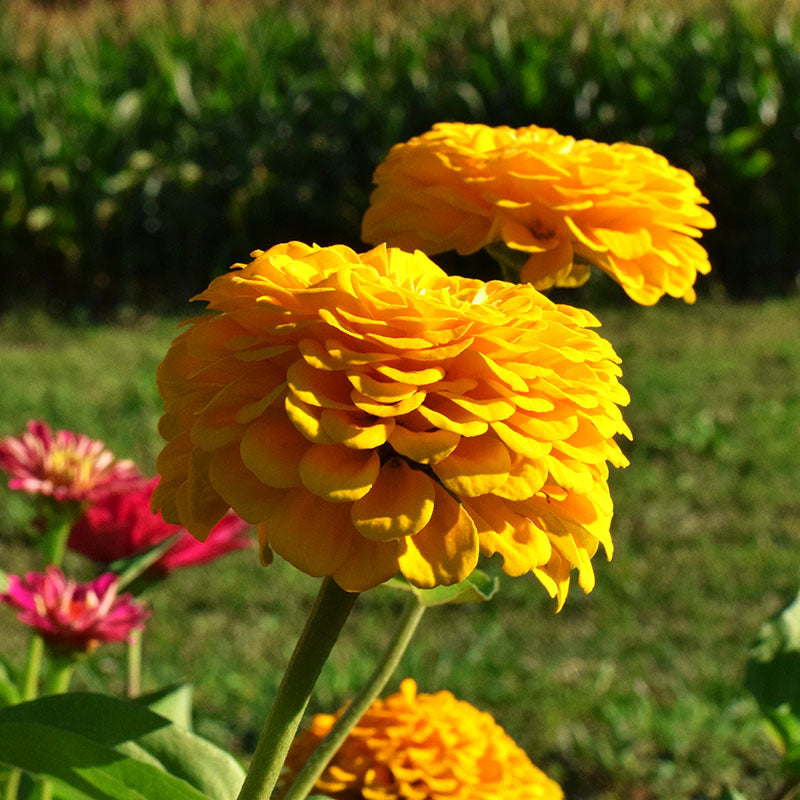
631 691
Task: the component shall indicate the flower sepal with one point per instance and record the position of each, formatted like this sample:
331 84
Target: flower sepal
510 261
477 587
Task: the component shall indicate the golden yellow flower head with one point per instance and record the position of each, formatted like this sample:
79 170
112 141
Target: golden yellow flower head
562 203
423 747
372 414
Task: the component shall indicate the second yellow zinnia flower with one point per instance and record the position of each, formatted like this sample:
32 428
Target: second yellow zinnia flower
560 203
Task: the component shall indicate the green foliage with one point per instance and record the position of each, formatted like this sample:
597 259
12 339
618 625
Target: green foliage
139 161
101 747
773 676
477 587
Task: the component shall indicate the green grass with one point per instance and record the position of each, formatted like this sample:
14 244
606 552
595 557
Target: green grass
634 691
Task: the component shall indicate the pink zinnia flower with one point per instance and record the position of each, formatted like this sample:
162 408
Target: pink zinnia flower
62 465
74 616
121 524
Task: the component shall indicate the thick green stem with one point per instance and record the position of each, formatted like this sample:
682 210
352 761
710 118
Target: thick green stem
135 665
331 609
314 767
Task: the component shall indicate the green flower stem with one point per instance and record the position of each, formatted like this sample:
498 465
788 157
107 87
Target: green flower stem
55 541
328 615
314 767
134 665
29 691
61 670
33 665
511 261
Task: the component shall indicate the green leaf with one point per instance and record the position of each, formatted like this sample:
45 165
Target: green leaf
791 760
757 164
9 694
773 674
173 702
140 733
477 587
743 138
129 569
84 767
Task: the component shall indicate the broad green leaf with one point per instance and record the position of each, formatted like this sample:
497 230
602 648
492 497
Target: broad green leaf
478 587
134 729
173 702
85 766
773 674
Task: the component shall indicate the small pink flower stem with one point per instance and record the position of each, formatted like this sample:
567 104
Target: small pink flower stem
55 540
33 665
134 665
55 544
61 669
29 691
60 675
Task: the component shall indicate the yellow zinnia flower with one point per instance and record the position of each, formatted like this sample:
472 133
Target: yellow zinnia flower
423 747
563 203
372 414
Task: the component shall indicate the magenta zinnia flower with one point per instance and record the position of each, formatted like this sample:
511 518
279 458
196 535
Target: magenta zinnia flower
62 465
74 616
121 524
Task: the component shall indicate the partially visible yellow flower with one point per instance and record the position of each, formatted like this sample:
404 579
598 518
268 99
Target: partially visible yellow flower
423 747
372 414
562 203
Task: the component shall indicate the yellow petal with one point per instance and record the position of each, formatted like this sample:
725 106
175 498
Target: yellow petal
444 414
445 551
307 420
367 564
338 473
477 466
356 429
272 448
382 391
311 533
240 489
378 409
400 503
199 505
318 387
424 447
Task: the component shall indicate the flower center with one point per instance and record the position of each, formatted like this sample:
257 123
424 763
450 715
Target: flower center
66 467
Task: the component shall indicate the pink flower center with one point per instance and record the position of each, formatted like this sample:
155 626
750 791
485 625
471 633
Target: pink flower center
66 467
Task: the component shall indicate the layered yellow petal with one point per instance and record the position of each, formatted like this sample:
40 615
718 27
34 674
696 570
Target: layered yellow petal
400 503
446 550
